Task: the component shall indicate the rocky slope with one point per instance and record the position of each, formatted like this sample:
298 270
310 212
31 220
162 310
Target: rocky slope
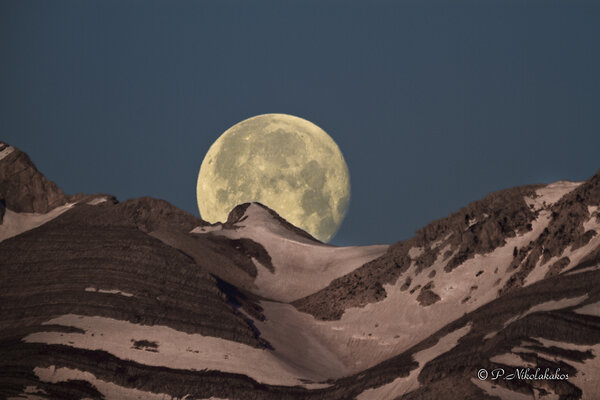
22 187
103 299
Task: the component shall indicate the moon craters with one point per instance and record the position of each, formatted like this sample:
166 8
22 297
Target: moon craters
284 162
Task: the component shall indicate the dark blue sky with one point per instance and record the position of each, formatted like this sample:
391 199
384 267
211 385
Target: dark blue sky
433 103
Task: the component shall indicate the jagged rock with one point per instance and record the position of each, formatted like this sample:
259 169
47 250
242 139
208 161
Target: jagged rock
24 188
498 215
427 297
565 229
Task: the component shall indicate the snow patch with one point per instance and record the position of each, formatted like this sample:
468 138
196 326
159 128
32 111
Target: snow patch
470 223
490 335
290 333
575 256
17 223
365 336
29 396
550 194
500 392
108 291
592 223
590 309
97 200
30 392
403 385
582 270
175 349
302 266
549 306
415 252
33 389
207 229
512 360
110 390
6 151
588 371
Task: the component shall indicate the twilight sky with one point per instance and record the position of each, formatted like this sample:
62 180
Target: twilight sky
434 104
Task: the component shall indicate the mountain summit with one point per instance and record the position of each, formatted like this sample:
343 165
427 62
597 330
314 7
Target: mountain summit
101 299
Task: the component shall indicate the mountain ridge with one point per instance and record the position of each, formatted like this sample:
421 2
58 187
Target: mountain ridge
138 299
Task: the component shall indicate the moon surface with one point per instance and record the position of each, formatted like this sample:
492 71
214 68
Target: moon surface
284 162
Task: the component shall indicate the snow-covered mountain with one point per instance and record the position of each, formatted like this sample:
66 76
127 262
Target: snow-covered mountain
140 300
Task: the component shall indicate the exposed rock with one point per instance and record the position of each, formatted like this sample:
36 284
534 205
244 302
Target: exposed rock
151 214
557 267
2 208
406 284
427 296
24 188
414 289
565 229
499 216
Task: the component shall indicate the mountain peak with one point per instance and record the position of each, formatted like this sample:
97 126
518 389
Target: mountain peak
258 214
23 187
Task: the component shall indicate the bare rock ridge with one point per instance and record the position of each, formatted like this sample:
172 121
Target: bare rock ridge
101 299
478 228
23 187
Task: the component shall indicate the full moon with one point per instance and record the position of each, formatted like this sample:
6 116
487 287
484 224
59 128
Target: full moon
284 162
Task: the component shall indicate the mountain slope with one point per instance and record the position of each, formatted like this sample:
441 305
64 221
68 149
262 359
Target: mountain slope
102 299
297 264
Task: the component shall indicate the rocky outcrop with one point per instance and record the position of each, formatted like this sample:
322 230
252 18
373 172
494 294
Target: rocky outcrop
2 209
24 188
479 228
565 229
150 214
427 296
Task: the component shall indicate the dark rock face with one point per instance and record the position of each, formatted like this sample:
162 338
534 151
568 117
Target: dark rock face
427 296
2 209
483 225
24 188
236 215
150 214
